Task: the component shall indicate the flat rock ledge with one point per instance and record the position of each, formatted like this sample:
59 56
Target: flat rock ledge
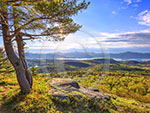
63 87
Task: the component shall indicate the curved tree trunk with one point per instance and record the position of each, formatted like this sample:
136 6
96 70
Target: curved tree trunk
15 61
20 44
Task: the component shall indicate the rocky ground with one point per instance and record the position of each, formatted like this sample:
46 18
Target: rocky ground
63 87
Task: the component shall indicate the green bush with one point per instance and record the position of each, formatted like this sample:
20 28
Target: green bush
34 70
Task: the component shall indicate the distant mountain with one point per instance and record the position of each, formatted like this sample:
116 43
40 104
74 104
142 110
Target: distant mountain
131 55
92 55
48 65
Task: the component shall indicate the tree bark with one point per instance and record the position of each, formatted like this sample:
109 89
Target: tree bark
15 61
20 44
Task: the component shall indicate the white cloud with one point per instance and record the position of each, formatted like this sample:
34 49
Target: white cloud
144 18
71 42
102 41
128 1
127 39
132 1
135 5
114 12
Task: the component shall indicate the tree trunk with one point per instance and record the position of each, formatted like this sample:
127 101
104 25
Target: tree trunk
20 44
15 61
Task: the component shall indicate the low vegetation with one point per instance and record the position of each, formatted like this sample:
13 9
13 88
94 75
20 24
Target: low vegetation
39 100
128 86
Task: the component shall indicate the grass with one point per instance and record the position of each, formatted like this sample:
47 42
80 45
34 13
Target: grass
40 101
1 89
124 104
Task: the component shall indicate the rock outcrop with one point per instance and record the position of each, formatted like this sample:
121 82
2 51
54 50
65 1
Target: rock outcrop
63 87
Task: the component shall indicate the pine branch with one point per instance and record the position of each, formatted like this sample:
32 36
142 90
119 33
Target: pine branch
23 26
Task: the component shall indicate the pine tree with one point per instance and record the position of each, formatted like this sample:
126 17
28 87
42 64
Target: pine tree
22 20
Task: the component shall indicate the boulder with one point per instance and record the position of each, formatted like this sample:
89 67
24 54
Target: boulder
64 82
61 87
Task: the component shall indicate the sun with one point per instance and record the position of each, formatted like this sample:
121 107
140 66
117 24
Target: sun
61 31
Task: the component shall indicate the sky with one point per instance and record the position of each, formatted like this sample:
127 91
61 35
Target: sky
113 26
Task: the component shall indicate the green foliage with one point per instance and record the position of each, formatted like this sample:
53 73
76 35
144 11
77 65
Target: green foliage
95 65
51 18
40 101
130 84
34 71
128 87
124 104
5 66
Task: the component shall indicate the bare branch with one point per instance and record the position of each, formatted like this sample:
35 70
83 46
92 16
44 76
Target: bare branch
2 17
27 35
13 40
10 1
30 38
2 23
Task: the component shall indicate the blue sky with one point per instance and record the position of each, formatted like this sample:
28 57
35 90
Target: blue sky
125 22
113 15
109 26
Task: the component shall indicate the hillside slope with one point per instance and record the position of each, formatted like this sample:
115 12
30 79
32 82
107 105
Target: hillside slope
40 100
